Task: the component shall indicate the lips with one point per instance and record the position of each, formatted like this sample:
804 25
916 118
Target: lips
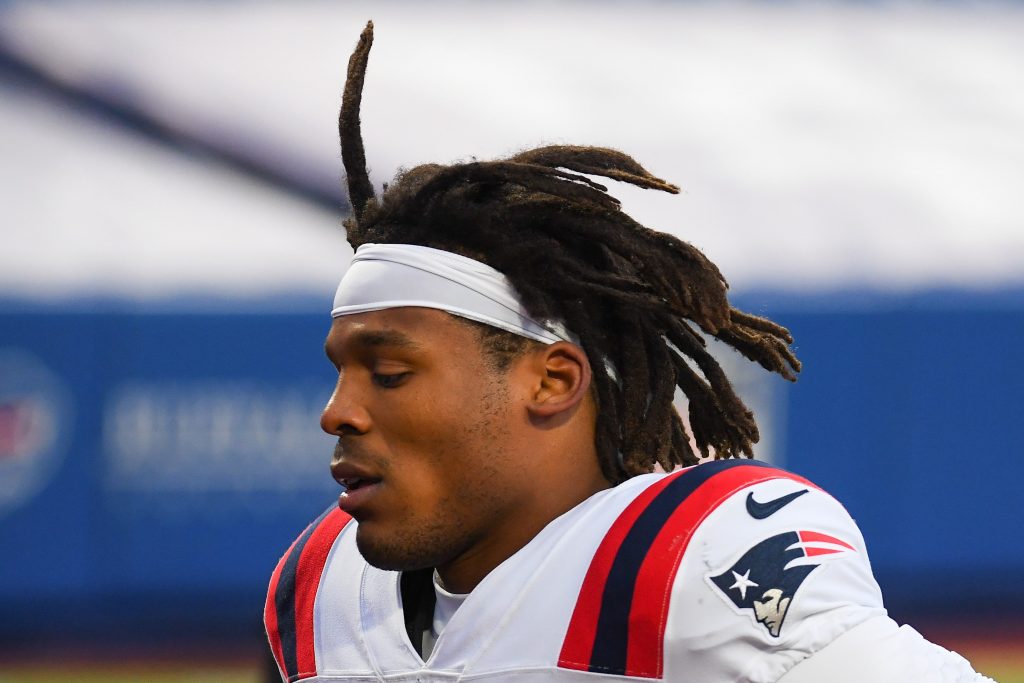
353 483
354 500
360 485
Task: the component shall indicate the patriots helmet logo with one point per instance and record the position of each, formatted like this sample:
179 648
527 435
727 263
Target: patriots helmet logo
767 576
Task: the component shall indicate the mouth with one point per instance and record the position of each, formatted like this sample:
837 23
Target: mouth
352 484
358 490
359 480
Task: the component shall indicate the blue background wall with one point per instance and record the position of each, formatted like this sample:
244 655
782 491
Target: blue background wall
187 456
913 419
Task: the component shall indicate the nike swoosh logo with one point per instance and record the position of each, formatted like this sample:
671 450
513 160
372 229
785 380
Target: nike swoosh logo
764 510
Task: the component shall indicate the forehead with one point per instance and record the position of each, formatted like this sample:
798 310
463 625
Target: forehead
411 327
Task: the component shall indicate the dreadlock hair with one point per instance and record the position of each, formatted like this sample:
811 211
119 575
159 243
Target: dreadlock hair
630 294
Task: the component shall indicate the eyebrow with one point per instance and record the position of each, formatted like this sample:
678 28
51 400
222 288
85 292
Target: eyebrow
377 339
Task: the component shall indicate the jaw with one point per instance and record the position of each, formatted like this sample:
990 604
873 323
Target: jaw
398 543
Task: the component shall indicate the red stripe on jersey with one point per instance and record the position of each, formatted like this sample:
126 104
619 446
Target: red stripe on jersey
649 612
270 611
579 638
307 582
818 537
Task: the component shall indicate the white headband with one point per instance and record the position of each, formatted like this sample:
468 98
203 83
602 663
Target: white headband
395 275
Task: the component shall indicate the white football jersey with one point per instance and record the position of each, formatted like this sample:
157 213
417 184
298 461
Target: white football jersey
728 571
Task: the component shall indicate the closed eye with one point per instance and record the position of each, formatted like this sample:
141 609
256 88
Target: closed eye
389 381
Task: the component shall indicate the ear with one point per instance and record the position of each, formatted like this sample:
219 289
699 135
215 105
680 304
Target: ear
561 380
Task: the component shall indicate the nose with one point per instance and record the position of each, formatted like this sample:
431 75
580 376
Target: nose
344 412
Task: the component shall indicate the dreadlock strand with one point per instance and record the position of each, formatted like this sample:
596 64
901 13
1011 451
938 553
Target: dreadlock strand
553 181
634 375
682 451
699 394
728 405
717 415
760 324
601 161
608 438
353 156
660 408
767 351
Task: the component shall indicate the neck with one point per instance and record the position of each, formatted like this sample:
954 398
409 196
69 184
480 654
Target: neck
518 527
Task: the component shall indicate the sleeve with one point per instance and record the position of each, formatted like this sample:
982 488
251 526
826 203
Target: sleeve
288 613
881 651
279 599
775 572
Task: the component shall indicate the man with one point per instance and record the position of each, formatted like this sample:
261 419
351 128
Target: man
508 343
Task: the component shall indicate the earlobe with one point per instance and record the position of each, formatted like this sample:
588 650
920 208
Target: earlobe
564 379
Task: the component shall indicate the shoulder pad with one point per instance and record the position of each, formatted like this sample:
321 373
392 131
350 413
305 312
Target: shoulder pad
618 625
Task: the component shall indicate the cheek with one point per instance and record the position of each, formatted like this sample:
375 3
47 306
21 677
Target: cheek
453 455
424 449
436 464
442 418
448 438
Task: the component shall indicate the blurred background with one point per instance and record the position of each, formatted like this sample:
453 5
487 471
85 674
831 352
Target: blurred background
170 240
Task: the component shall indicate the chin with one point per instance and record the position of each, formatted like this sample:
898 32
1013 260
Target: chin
405 551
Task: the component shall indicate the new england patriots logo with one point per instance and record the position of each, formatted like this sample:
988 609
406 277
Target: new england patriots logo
768 575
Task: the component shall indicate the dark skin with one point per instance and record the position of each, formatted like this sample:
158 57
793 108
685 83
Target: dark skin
451 462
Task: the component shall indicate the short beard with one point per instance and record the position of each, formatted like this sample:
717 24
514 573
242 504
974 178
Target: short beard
413 549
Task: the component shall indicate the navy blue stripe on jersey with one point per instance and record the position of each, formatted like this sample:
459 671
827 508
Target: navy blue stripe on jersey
284 599
612 638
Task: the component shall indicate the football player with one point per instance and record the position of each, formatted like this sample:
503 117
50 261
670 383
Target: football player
508 343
